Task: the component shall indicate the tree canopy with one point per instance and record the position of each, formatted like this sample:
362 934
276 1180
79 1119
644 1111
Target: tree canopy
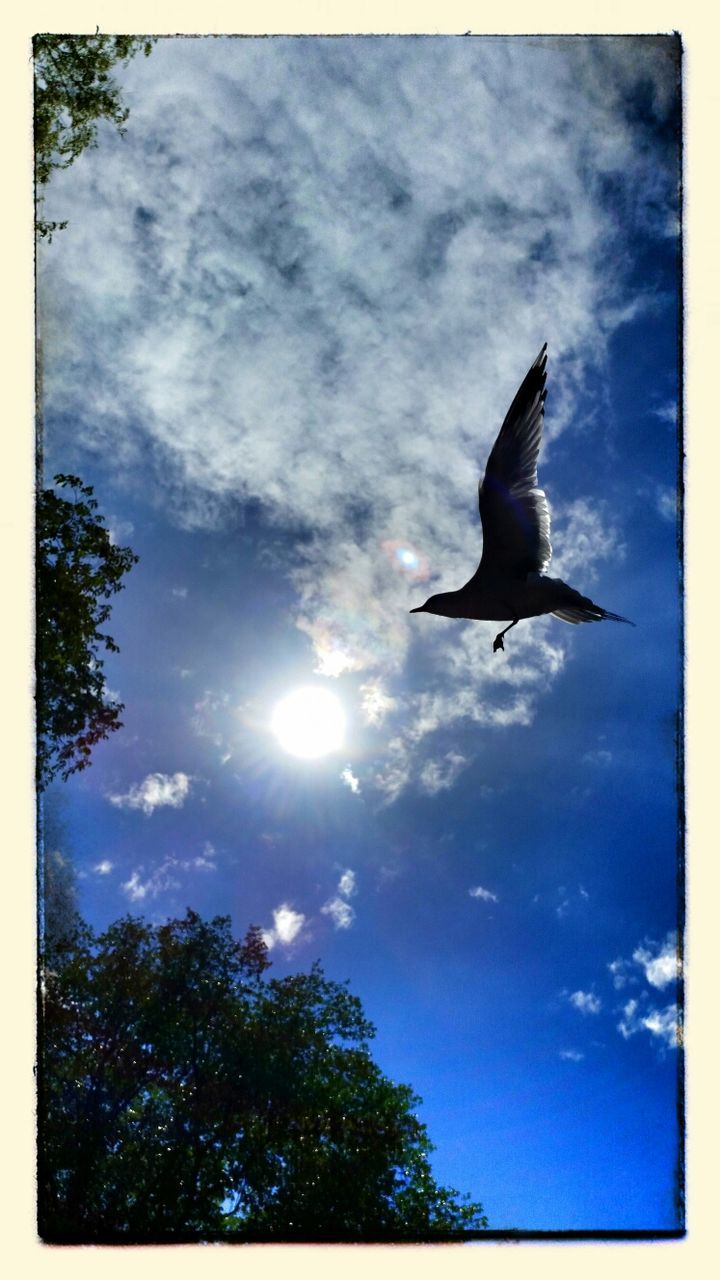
78 569
73 91
185 1096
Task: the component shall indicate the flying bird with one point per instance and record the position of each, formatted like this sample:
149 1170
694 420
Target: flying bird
510 581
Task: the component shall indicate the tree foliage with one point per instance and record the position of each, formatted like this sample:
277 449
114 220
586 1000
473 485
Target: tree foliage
73 91
78 569
184 1097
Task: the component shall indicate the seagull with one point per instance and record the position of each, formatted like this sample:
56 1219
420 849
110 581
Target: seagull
510 580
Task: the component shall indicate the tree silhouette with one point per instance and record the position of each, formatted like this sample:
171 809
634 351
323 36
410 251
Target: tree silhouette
73 91
78 568
185 1096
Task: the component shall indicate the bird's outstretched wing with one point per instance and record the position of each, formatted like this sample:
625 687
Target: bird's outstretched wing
513 510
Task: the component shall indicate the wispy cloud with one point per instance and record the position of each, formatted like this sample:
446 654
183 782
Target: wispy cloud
621 972
571 1055
585 1001
440 775
601 756
103 868
156 791
167 876
666 502
287 924
484 894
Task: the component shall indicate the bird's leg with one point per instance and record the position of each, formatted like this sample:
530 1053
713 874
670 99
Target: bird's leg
498 641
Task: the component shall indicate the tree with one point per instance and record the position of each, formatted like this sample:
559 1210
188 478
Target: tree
73 91
78 569
185 1097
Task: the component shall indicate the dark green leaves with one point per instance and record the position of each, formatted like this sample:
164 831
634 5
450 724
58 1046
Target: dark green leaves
184 1097
78 570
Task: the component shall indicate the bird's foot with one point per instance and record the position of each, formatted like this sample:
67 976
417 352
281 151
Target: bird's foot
498 643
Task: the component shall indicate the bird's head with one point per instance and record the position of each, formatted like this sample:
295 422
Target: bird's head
444 604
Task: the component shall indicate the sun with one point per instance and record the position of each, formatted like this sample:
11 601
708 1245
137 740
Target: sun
309 722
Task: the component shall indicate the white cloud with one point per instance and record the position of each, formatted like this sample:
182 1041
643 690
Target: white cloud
485 894
348 777
661 1023
119 530
287 924
162 880
180 593
585 1001
346 885
660 966
302 218
571 1055
154 792
659 963
337 907
341 912
103 868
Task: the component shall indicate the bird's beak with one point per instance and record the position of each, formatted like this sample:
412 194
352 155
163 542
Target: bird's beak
420 609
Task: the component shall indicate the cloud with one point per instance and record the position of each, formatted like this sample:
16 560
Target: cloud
659 963
340 911
346 885
119 530
155 792
206 861
585 1002
287 925
375 702
661 1023
571 1055
601 757
440 775
569 900
348 777
162 880
103 868
303 218
485 894
338 907
666 503
164 877
660 966
622 973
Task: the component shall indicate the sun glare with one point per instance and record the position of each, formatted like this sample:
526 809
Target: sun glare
309 722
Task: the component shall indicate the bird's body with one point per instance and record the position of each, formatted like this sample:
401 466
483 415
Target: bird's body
510 582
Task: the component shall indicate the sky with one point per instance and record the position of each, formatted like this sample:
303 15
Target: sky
279 335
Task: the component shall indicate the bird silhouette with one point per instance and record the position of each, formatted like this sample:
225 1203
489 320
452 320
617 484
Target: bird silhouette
510 580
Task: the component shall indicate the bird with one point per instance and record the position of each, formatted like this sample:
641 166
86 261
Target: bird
511 582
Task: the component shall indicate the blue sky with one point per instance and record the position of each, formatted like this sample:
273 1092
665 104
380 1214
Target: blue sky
279 336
